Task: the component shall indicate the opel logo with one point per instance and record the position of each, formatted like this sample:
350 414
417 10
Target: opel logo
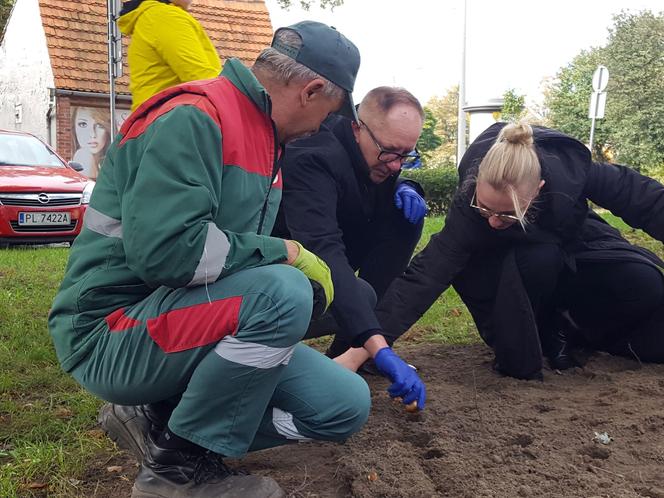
43 198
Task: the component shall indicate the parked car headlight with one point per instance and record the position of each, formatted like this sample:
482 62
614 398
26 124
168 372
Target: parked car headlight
87 193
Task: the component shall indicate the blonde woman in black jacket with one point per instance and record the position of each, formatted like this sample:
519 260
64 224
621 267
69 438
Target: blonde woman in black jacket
536 267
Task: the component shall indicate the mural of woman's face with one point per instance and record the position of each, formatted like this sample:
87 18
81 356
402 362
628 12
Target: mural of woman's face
90 133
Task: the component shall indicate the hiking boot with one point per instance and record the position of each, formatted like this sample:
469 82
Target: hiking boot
128 426
168 473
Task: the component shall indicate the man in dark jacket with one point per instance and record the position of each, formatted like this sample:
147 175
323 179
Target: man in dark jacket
344 201
516 281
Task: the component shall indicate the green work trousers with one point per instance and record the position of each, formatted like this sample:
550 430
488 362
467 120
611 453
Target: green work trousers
231 350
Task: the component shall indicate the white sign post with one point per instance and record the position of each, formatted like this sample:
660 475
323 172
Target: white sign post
597 99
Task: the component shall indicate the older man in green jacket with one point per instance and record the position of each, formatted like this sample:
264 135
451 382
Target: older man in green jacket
174 294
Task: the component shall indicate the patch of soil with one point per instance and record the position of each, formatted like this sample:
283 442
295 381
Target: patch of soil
481 435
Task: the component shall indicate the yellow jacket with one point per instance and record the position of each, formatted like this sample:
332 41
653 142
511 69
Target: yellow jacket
168 46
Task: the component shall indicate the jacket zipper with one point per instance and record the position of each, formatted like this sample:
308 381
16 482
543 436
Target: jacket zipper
275 172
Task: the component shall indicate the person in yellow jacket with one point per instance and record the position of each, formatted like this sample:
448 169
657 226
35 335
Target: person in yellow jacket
168 47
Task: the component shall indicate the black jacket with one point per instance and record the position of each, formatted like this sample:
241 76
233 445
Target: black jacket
328 203
562 216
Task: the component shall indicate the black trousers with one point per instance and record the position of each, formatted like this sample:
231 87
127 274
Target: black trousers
618 305
378 255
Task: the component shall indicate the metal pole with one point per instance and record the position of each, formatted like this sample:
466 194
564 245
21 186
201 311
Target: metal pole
110 6
592 122
113 8
461 115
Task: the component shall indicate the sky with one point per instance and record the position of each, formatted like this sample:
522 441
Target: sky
510 44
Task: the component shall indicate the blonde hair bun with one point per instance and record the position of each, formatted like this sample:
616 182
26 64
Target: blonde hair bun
517 134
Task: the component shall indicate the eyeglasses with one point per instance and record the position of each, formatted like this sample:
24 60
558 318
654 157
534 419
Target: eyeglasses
487 213
387 156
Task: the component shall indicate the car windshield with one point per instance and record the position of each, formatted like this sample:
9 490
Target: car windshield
26 150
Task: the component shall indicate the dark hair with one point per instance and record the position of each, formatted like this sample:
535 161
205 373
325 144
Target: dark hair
385 98
127 7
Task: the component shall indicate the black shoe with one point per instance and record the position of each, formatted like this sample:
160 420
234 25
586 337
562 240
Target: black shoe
320 301
369 368
558 352
167 473
128 426
337 348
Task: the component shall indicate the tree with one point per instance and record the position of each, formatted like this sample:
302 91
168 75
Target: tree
568 99
635 53
445 110
5 10
513 106
306 4
428 140
632 131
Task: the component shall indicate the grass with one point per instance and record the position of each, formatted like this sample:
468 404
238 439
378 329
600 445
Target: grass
638 237
448 320
48 432
47 423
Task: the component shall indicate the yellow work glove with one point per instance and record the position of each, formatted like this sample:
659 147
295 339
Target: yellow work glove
315 269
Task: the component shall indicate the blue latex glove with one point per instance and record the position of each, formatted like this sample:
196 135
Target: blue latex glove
407 199
417 163
405 381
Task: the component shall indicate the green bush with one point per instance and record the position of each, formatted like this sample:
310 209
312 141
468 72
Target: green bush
656 172
439 185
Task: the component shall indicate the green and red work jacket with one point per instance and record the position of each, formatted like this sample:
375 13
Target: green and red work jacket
184 198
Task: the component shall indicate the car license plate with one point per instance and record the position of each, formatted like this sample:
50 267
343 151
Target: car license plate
44 218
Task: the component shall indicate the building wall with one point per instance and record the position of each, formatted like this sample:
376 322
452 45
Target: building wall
94 117
63 142
25 72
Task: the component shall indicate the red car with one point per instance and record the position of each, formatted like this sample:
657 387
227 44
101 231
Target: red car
42 198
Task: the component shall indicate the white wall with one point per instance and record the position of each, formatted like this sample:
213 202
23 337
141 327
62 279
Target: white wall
479 121
25 71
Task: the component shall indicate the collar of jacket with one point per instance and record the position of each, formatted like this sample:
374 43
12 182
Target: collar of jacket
343 130
245 81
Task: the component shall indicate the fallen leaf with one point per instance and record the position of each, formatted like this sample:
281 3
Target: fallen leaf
95 434
455 312
37 485
63 412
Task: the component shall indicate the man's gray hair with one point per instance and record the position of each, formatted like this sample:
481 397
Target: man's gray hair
285 69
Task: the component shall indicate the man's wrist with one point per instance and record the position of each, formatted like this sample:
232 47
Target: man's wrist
292 251
375 343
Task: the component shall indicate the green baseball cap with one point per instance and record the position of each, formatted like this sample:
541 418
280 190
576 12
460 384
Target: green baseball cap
327 52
